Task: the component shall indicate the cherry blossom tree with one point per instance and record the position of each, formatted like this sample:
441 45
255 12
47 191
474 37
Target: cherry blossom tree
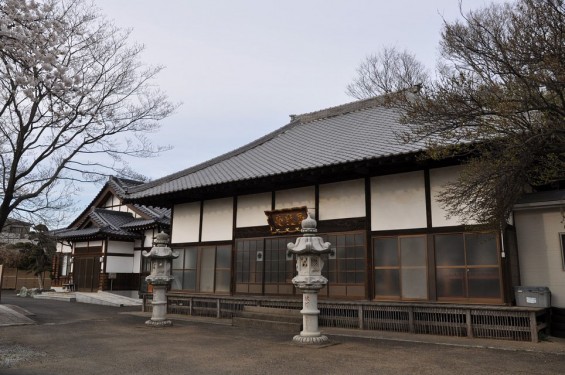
75 102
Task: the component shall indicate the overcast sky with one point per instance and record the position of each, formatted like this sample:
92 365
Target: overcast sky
241 67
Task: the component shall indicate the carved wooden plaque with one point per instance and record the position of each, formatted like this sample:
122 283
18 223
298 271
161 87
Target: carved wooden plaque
286 220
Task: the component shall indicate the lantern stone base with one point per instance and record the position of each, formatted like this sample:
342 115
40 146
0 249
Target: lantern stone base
159 323
159 305
316 340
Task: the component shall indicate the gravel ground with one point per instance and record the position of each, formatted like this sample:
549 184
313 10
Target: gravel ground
12 355
74 338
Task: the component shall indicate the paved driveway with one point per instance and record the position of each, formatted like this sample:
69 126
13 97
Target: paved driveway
74 338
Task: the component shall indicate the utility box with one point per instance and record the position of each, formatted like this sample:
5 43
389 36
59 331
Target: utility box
532 296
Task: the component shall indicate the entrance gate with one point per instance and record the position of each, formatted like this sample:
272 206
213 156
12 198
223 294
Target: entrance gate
86 272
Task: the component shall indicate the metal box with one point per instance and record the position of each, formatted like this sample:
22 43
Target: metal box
532 296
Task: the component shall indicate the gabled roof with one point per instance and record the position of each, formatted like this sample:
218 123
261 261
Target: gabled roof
118 186
114 185
114 224
357 131
94 233
110 218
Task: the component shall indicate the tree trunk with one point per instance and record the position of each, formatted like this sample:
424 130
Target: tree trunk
40 280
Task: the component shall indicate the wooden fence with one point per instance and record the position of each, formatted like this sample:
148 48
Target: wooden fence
14 278
496 322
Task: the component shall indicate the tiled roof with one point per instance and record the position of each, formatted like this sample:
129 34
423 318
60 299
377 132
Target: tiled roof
154 212
141 224
120 185
114 224
110 218
352 132
75 234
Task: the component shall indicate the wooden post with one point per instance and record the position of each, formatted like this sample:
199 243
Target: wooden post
190 306
361 317
533 326
218 312
411 319
469 323
1 277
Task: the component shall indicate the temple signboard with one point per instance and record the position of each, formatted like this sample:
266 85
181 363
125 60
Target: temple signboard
286 220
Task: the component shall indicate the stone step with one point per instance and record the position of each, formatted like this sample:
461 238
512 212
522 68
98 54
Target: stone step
67 297
272 317
267 325
107 299
272 310
269 318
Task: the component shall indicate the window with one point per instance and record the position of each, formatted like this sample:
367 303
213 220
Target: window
400 267
278 269
467 266
562 238
348 267
203 269
262 266
65 265
249 266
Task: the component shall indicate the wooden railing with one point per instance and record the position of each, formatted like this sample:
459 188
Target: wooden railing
496 322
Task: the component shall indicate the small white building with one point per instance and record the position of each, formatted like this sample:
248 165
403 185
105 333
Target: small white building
101 249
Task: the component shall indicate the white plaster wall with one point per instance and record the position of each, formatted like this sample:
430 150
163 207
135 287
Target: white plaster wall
109 202
438 179
217 220
398 201
342 200
251 209
121 208
137 261
119 264
539 251
63 248
91 244
186 222
296 198
120 247
149 234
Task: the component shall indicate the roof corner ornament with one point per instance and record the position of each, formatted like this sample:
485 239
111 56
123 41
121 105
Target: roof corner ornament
309 264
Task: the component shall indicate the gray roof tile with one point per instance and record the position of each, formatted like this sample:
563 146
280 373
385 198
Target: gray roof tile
352 132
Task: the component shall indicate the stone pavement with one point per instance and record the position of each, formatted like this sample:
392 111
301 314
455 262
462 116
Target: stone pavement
11 315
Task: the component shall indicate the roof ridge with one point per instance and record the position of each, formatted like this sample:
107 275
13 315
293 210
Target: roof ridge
341 109
123 213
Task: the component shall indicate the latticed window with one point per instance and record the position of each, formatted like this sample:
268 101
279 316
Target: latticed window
204 269
400 267
467 266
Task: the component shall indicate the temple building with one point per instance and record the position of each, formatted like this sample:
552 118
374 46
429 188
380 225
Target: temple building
101 248
375 200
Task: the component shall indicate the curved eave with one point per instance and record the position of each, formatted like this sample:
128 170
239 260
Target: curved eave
99 236
322 174
148 226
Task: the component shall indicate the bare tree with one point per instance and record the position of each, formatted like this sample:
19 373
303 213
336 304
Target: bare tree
500 100
75 101
387 71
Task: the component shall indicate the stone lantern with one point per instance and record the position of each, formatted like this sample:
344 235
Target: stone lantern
161 257
309 280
